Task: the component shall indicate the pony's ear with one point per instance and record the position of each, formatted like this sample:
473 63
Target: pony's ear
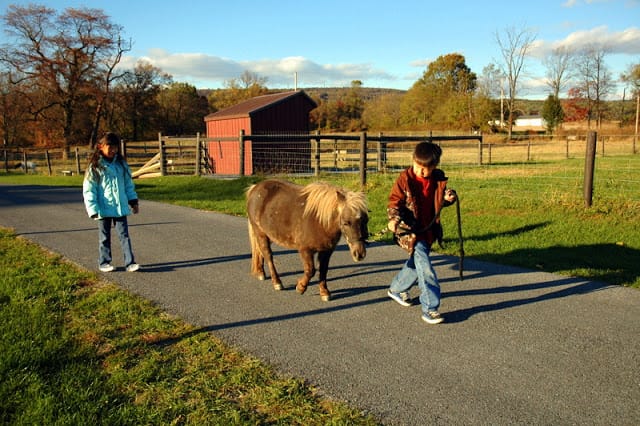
341 199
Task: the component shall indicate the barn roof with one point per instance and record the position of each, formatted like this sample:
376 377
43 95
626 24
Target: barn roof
253 105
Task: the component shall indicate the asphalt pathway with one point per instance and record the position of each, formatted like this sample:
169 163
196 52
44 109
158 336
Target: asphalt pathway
516 347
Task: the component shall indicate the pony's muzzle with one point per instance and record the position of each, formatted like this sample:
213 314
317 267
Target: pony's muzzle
358 251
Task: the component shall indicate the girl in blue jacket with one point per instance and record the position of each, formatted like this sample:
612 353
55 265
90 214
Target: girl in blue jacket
109 197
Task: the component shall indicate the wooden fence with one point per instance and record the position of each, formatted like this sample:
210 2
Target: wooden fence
309 153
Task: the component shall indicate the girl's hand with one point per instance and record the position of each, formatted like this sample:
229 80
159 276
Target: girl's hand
135 209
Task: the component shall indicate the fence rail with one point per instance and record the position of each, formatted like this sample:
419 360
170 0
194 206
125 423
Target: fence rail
308 153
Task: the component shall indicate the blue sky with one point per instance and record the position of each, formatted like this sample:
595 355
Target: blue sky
329 43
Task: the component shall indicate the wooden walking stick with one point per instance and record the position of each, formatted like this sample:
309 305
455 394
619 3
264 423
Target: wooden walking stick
461 256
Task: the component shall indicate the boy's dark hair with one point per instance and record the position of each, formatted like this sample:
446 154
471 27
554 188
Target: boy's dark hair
427 154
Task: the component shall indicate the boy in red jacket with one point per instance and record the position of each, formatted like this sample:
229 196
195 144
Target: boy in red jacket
415 202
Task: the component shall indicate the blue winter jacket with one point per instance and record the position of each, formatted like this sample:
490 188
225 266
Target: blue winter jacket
109 191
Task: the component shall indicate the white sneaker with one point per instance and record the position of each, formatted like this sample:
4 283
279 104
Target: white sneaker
402 298
432 317
133 267
107 267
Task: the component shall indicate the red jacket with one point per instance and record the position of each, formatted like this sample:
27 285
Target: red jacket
406 204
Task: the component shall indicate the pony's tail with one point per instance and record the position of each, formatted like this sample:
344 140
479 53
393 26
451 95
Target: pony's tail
252 238
257 260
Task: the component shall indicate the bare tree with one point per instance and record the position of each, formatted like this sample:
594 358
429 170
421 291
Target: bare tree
136 99
632 78
250 79
557 64
595 80
491 80
68 59
514 45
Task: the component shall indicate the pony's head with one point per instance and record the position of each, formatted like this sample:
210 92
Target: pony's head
354 218
345 209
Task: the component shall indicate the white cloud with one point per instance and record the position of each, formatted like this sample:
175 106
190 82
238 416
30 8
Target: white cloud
421 63
620 42
207 71
572 3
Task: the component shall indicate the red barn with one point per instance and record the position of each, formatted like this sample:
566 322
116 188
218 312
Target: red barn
286 112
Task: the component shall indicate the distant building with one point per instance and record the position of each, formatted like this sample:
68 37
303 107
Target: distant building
525 122
533 122
286 112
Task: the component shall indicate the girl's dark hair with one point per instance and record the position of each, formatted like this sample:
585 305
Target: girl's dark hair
110 139
427 154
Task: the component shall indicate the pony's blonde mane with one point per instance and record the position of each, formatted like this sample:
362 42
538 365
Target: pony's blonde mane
324 199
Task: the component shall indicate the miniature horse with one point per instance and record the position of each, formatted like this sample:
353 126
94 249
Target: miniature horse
308 218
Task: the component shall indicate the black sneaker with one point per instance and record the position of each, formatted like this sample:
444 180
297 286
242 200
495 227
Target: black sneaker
402 298
432 317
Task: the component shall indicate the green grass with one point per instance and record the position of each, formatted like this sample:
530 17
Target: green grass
78 351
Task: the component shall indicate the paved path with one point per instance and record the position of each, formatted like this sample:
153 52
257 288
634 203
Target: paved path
517 347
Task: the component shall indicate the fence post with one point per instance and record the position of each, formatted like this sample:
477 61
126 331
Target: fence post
589 165
46 155
382 154
480 152
241 152
163 169
25 169
528 150
198 154
363 159
316 148
567 148
77 153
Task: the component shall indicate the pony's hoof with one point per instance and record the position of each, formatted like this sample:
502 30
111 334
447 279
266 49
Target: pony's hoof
325 298
300 289
260 277
278 287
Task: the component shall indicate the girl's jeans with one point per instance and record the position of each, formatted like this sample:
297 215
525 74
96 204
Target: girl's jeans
104 239
418 269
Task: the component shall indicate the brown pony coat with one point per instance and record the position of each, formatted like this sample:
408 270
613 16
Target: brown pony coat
310 219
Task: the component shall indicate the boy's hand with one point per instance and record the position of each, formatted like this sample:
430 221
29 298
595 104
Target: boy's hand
450 195
392 226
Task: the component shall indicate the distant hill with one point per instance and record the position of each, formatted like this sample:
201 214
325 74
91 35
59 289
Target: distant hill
527 106
330 93
367 93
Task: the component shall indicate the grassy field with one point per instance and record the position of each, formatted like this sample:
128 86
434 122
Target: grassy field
77 351
80 351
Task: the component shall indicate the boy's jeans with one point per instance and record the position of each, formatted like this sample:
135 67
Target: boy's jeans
104 239
418 269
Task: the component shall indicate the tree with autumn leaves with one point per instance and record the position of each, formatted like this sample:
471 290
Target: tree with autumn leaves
60 85
444 95
62 66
